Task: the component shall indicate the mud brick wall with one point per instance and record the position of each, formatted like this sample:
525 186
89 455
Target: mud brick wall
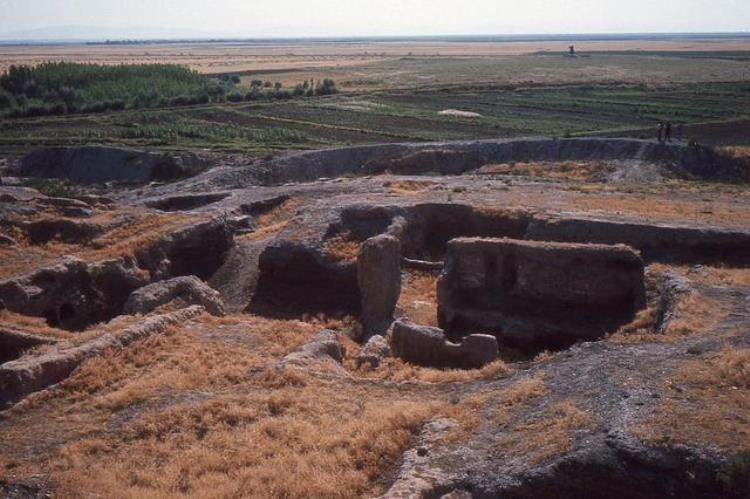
538 294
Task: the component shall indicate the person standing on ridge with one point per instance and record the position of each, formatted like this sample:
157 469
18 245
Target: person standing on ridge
668 132
659 131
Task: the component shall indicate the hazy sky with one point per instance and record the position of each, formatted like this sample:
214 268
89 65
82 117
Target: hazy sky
382 17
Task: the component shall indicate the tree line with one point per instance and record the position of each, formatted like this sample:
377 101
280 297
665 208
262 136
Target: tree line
63 87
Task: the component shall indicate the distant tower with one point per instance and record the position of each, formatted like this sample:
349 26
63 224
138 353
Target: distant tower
572 50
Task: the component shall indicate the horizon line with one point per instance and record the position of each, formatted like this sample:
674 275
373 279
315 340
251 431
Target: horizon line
399 37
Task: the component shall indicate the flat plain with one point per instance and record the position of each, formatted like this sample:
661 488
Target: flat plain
394 91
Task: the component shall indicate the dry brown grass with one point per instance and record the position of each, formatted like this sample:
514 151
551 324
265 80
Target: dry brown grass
640 329
309 440
737 151
273 222
33 325
695 313
266 232
549 436
518 393
202 410
282 213
418 299
561 170
718 276
144 231
129 232
21 260
521 391
342 247
409 186
729 368
706 403
399 371
657 207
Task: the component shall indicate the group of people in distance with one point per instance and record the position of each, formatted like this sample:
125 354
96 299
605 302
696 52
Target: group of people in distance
664 131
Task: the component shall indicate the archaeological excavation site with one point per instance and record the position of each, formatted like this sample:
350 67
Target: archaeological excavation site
516 318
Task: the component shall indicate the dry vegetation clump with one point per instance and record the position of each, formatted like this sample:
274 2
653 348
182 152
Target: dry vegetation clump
641 329
409 186
706 403
276 337
418 299
718 276
273 222
143 231
267 232
126 236
282 213
694 313
308 440
16 233
32 325
730 368
548 436
737 151
175 361
521 391
705 210
21 260
342 247
562 170
399 371
195 411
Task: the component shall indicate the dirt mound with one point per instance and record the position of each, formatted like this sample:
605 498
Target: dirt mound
453 158
98 165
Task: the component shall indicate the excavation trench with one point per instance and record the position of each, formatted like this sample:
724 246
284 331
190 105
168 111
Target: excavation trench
560 280
14 344
425 229
75 294
535 296
187 202
294 280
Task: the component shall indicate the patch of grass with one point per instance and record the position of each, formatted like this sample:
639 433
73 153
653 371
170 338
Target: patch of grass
409 186
203 410
33 325
418 299
342 247
559 170
705 403
279 214
549 436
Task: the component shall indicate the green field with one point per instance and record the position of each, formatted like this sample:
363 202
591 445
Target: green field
715 112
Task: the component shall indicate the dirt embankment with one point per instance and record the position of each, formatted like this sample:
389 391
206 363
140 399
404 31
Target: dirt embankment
454 158
98 164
